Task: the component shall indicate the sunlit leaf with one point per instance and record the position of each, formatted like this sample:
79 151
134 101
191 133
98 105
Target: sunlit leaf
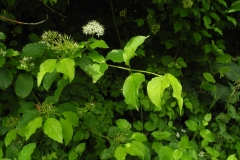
32 127
120 153
10 136
26 152
66 66
53 129
135 149
116 56
67 130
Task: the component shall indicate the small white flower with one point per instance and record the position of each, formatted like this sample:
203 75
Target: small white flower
2 52
177 135
23 65
32 65
183 130
201 154
93 27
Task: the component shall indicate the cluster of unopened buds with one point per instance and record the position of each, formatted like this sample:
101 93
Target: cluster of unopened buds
2 52
155 28
26 63
187 3
123 13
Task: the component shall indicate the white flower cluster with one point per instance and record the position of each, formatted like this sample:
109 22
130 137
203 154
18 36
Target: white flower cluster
93 27
201 154
2 52
26 63
187 3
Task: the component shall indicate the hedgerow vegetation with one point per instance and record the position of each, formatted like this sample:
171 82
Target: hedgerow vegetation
119 79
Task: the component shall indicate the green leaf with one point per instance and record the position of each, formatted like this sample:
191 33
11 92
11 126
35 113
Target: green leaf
115 55
131 47
140 137
232 157
215 16
33 37
155 89
120 153
208 117
80 148
209 77
212 152
165 153
123 124
98 44
184 12
2 61
96 71
207 135
136 149
131 87
71 117
205 5
161 135
27 150
49 79
34 50
26 118
67 130
223 2
233 20
234 73
60 85
66 66
2 36
10 136
177 154
95 56
197 37
47 66
183 144
24 85
6 78
226 58
72 155
178 26
235 6
32 127
53 129
139 21
207 21
192 125
177 90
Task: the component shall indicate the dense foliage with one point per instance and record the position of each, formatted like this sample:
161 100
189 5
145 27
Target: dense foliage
119 79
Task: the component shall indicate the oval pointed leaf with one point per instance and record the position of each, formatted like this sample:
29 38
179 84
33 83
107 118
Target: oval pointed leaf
120 153
66 66
67 131
209 77
115 56
5 78
192 125
71 117
136 149
34 50
131 87
155 89
131 47
25 153
98 44
24 85
2 35
10 136
177 90
32 127
53 129
95 56
47 66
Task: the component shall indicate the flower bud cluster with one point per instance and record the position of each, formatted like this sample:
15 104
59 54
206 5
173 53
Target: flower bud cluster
155 28
26 63
93 27
201 154
123 13
149 16
187 3
2 52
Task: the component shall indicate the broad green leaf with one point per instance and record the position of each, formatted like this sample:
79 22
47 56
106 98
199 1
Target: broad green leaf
120 153
140 137
80 148
208 117
2 61
131 47
71 117
135 149
192 125
155 89
235 6
183 144
98 44
165 153
223 2
207 21
49 79
24 85
33 126
123 124
34 50
10 136
33 37
206 5
109 152
209 77
232 157
66 66
72 155
226 58
27 150
184 12
26 118
215 16
2 36
60 86
131 88
11 53
53 129
115 55
96 71
6 78
139 21
212 151
156 146
177 154
207 135
166 60
95 56
197 37
233 20
161 135
177 90
67 130
26 106
178 26
47 66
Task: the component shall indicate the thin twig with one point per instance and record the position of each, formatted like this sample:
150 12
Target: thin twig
53 10
18 22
